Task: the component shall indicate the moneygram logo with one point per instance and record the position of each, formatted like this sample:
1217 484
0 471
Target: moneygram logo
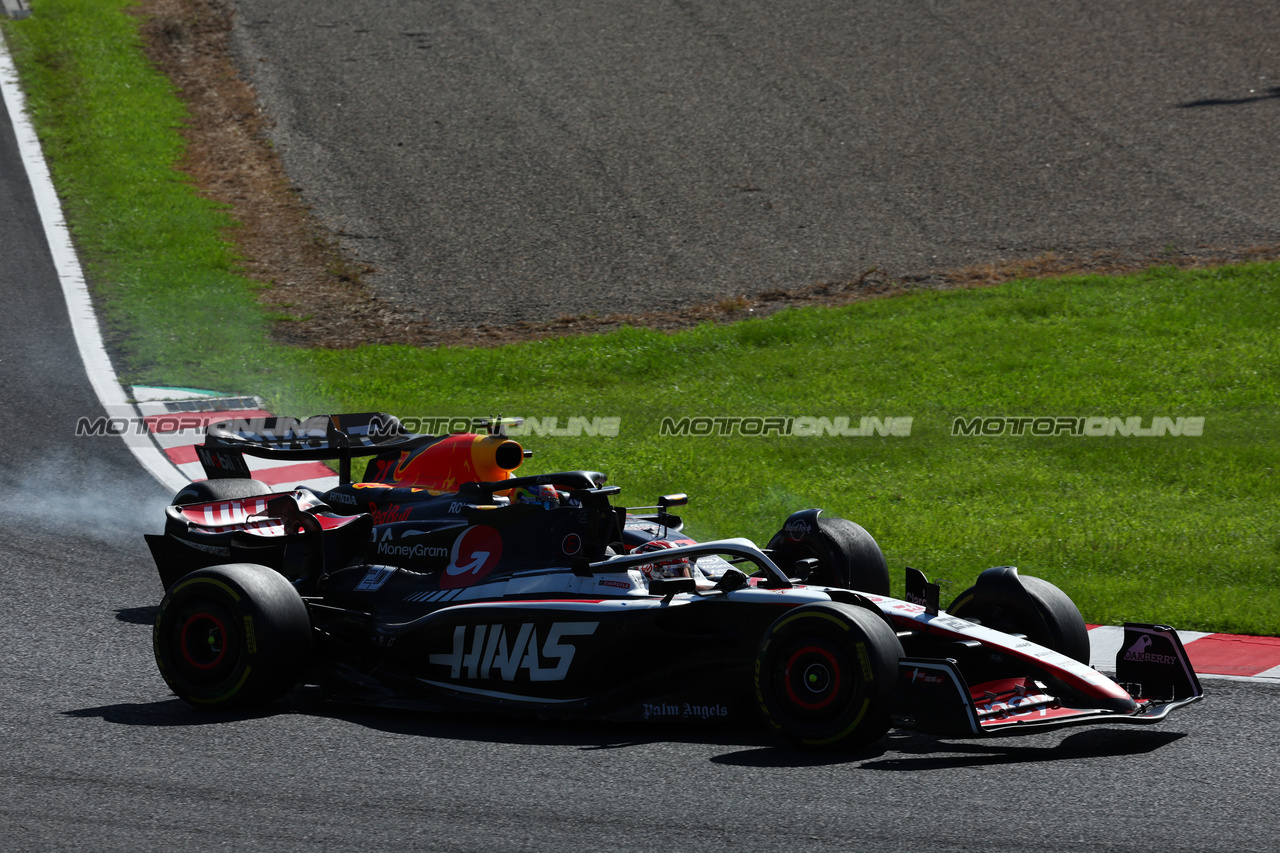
412 552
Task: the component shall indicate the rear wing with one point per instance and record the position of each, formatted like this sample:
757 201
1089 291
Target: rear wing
339 437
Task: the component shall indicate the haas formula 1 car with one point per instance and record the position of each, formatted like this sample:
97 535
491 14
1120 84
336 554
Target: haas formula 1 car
443 581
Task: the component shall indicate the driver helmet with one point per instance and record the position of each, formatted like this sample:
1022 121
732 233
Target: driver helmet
676 567
545 496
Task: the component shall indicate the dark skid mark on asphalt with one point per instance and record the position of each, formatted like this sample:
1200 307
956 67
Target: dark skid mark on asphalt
1272 94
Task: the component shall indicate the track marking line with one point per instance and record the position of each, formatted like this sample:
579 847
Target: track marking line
75 291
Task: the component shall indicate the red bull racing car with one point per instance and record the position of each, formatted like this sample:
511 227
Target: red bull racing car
444 581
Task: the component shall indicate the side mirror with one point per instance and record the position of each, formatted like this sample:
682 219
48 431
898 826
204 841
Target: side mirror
665 517
804 568
732 579
668 587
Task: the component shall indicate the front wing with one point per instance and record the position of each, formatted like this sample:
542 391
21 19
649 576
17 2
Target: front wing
1152 665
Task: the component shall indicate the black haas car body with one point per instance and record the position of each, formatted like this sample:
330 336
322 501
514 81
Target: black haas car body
446 582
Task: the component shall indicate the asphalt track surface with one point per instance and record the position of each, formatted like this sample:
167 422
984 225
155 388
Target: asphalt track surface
503 161
98 755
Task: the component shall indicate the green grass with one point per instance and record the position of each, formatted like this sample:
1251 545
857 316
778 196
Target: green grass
164 279
1135 528
1176 529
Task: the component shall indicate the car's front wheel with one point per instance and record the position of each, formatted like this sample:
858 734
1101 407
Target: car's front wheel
825 675
1020 604
847 555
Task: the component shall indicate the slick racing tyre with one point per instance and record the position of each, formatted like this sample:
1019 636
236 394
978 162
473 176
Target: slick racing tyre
847 556
825 675
1019 604
219 490
232 636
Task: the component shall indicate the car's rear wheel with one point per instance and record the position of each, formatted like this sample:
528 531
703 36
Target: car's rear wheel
847 556
1040 611
232 636
205 491
825 675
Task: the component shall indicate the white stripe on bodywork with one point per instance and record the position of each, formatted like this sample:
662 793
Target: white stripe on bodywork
946 624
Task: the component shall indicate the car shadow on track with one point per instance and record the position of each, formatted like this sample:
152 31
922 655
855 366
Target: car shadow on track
489 728
756 747
170 712
932 754
586 735
138 615
905 750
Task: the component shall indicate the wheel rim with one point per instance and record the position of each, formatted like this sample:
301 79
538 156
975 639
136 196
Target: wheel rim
204 644
203 641
813 678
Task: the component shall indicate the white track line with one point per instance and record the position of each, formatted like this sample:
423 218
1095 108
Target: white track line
84 322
